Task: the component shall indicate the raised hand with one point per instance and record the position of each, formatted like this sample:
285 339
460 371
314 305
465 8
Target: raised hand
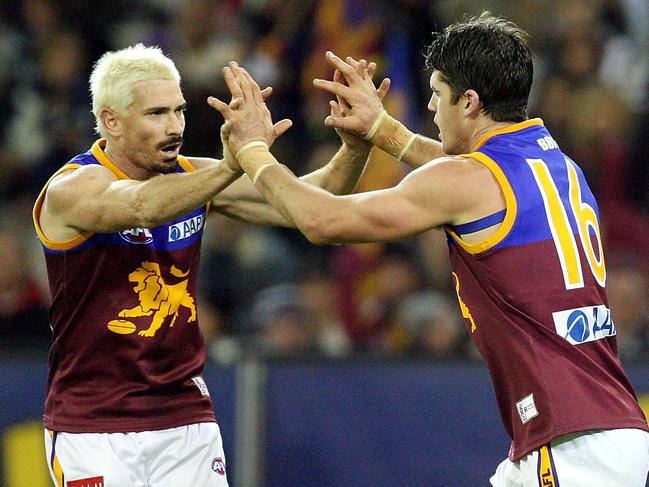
246 117
358 102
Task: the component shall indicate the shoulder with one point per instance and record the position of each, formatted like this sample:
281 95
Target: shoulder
75 180
454 168
462 186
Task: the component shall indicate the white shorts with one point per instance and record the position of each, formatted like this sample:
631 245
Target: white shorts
186 456
607 458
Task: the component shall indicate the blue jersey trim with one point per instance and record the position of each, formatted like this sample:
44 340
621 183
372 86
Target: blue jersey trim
480 224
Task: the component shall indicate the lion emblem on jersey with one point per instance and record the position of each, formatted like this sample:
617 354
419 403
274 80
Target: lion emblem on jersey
157 299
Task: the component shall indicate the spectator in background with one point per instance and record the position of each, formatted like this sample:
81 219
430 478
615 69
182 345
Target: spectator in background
432 326
628 285
23 303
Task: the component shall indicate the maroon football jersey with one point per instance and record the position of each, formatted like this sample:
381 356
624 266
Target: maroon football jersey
533 296
127 353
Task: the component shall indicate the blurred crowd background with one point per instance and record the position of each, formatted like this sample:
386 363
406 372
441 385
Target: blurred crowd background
268 290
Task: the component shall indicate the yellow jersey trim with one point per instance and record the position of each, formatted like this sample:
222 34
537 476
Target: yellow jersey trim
56 465
38 206
512 128
97 150
546 472
185 164
510 205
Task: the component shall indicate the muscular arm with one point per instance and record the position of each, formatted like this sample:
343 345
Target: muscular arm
444 191
427 198
89 199
242 201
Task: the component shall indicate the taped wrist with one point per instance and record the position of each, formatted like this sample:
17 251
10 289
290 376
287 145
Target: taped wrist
254 158
393 137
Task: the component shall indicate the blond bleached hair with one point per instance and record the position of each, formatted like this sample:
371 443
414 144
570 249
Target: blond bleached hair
113 76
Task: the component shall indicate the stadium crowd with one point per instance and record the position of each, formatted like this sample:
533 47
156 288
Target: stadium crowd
268 289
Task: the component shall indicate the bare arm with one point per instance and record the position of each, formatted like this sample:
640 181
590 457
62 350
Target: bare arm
89 199
368 119
242 201
426 198
339 176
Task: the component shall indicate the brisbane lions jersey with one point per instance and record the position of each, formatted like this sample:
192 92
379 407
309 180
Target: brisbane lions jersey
127 353
534 300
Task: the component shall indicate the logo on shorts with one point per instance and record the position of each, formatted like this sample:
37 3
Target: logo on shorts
89 482
137 236
218 465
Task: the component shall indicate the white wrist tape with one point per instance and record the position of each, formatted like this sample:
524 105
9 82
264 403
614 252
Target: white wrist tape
376 125
262 169
406 147
249 145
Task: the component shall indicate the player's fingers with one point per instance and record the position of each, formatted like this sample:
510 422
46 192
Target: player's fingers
266 92
339 64
352 62
383 88
246 89
335 109
232 83
282 126
335 122
338 78
371 69
360 67
221 106
256 91
333 88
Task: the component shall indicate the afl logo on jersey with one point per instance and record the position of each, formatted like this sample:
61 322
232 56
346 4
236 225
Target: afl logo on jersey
137 235
218 465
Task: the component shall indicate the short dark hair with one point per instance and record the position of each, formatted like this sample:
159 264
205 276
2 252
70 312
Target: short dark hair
487 54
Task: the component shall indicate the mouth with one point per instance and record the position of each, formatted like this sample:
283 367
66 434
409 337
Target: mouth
171 150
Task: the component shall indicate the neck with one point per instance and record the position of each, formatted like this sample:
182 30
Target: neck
484 126
123 161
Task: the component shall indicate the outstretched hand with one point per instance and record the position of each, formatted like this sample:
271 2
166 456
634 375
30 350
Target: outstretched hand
358 102
246 116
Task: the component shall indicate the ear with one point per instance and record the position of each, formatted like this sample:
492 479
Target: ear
111 121
471 100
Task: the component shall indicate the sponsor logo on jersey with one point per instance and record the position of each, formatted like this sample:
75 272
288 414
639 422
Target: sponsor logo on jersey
88 482
218 465
582 325
137 235
186 228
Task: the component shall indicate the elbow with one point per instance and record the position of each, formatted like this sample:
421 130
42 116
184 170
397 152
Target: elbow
319 231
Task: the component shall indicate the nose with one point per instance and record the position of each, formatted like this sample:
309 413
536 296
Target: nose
175 124
432 104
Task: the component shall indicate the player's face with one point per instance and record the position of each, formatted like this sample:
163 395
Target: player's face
449 117
154 125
